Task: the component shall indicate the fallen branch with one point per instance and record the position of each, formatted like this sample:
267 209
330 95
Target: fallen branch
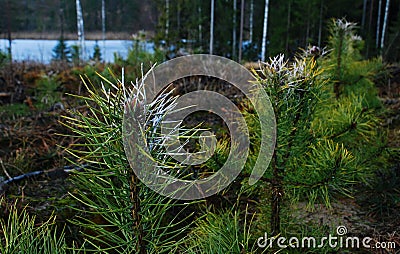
64 171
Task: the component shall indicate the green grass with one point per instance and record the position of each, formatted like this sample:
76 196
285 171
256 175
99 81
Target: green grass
13 111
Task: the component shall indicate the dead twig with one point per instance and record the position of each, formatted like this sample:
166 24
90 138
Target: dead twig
4 169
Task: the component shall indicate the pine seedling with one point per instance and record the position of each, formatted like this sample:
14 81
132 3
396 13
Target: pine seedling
348 72
135 218
305 164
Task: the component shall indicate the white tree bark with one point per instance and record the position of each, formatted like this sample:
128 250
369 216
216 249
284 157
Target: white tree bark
385 23
234 30
251 20
103 25
81 32
166 19
212 28
265 30
378 23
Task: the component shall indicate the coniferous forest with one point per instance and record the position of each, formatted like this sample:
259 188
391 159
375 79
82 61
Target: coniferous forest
291 24
83 140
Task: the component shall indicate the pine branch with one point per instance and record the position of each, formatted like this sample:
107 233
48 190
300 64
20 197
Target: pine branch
350 127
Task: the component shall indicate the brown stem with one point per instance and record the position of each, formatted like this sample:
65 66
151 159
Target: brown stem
135 212
277 189
337 85
277 194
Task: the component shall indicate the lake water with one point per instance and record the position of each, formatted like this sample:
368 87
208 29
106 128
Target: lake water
42 50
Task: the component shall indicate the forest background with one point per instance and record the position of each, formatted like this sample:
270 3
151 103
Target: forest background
182 23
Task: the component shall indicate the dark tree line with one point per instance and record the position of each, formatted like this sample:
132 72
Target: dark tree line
53 15
291 24
186 23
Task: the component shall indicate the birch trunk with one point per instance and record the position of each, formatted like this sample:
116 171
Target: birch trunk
212 28
234 30
166 19
385 24
251 20
81 34
265 30
103 25
378 26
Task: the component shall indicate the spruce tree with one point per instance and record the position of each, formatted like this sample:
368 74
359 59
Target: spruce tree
96 53
61 51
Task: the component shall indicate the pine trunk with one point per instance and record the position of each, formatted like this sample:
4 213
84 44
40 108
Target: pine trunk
8 8
371 11
277 195
288 26
364 14
241 30
321 16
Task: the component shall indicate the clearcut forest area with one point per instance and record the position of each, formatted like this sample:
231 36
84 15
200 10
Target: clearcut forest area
326 78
